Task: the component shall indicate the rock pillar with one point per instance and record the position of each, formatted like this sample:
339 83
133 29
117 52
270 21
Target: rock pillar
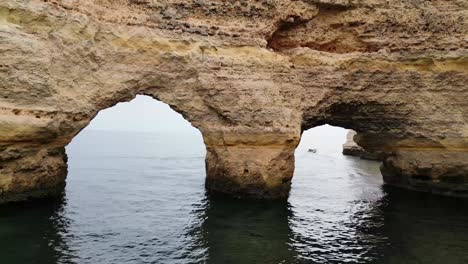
31 173
439 167
250 165
440 171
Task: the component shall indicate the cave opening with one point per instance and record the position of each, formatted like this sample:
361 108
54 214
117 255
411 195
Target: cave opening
135 151
321 166
135 175
324 138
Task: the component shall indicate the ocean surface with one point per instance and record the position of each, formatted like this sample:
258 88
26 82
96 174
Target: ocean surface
140 198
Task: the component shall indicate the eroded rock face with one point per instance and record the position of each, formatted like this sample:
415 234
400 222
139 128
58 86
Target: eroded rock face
250 75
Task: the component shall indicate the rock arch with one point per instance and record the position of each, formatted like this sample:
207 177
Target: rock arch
396 73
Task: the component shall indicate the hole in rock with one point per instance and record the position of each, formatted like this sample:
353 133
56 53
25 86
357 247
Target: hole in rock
134 174
320 164
338 195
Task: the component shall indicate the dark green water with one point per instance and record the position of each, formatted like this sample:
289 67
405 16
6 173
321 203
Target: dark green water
139 198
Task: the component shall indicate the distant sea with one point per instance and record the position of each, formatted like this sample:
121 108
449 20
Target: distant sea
139 198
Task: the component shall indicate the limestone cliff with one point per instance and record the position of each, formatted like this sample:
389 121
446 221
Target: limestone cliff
250 75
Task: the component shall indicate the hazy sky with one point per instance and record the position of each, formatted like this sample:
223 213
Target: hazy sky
141 114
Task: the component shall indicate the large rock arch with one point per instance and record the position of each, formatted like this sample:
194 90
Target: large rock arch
250 75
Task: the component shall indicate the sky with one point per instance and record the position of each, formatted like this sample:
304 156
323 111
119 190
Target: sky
143 114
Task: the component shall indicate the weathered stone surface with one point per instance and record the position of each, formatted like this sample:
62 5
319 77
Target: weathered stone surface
250 75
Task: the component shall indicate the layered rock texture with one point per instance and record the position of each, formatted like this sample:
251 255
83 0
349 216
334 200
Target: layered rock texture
250 75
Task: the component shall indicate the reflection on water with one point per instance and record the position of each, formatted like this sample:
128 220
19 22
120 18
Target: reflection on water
423 228
143 201
34 233
237 231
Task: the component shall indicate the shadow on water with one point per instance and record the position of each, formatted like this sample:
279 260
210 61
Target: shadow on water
422 228
33 232
240 231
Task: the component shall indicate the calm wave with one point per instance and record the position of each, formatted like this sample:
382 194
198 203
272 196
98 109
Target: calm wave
140 198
